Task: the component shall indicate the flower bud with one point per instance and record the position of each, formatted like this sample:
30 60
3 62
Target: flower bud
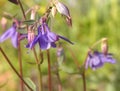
32 17
33 12
31 35
54 11
104 46
62 9
3 22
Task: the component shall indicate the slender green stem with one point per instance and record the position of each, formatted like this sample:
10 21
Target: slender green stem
22 9
59 82
41 57
74 57
40 77
20 64
39 70
84 81
19 49
83 74
49 71
3 53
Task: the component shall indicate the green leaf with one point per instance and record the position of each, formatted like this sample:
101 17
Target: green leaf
30 83
29 22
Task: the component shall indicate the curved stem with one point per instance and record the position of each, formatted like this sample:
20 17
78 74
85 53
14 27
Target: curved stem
49 72
3 53
74 57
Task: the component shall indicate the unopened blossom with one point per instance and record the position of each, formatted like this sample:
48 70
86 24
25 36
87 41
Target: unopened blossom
104 46
45 38
10 33
30 35
97 59
63 10
3 22
53 11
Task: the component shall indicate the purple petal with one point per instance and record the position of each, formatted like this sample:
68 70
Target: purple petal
53 45
43 44
23 36
110 59
7 34
32 44
65 39
14 39
52 37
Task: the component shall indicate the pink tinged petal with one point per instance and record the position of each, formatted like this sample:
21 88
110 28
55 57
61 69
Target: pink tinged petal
7 34
14 39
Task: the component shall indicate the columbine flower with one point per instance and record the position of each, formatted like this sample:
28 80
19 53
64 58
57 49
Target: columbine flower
45 38
10 33
98 59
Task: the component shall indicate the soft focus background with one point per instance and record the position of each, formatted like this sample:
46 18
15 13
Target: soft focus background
92 20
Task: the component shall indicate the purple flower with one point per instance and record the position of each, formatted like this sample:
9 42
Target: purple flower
45 38
10 33
97 59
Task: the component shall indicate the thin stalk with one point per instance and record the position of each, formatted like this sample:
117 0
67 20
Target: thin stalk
20 64
59 82
74 57
23 12
19 49
84 81
39 70
49 72
3 53
83 74
40 77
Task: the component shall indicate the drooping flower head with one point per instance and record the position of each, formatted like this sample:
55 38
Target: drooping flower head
97 59
45 37
63 10
10 33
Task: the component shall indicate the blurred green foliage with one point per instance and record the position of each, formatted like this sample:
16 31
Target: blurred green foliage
92 20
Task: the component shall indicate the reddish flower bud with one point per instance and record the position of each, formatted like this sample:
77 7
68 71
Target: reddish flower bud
31 35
